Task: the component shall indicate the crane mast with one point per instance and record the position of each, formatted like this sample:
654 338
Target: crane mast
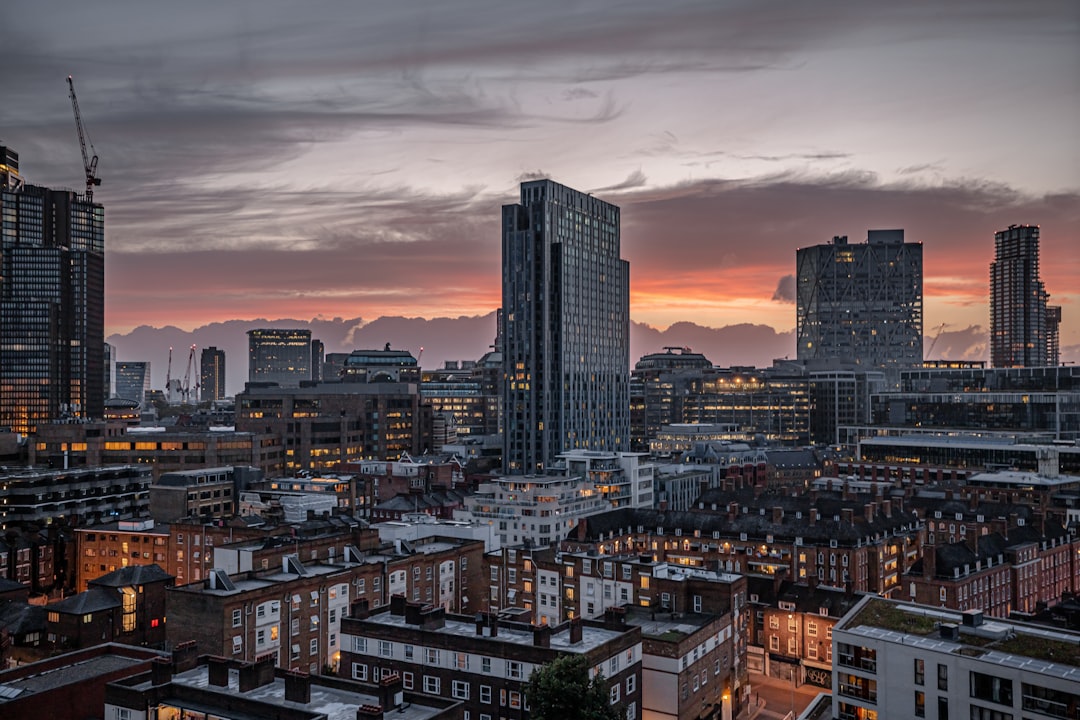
90 160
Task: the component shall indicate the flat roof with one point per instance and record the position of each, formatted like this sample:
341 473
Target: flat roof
335 703
67 675
591 637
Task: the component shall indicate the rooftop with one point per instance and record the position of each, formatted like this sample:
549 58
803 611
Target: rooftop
334 703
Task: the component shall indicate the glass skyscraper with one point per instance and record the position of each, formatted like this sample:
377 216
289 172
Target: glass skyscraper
282 356
1023 328
566 327
861 303
52 303
133 380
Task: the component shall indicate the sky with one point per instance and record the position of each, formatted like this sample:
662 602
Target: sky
349 159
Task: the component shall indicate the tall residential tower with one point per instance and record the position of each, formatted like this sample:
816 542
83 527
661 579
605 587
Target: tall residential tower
861 303
212 374
1023 328
52 303
566 314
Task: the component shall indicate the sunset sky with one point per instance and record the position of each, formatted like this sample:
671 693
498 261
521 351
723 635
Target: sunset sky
348 159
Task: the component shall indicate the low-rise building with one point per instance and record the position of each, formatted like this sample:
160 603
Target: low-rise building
485 661
83 495
900 660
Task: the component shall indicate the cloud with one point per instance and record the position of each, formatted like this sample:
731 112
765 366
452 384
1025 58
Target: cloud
785 290
635 179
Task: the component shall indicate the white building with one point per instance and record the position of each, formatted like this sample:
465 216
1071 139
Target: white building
899 660
621 477
533 510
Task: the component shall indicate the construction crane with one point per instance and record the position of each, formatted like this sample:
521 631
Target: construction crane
937 335
185 389
90 160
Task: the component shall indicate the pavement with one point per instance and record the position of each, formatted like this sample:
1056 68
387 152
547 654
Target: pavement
772 698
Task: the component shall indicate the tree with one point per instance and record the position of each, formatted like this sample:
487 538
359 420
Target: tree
562 690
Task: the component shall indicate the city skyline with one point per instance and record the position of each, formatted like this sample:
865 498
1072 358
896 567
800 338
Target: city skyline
382 145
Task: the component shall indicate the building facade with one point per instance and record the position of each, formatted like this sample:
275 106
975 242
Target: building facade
279 356
133 380
52 303
1023 328
565 344
212 374
861 303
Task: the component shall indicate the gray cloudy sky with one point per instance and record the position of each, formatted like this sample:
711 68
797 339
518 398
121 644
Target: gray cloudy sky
273 159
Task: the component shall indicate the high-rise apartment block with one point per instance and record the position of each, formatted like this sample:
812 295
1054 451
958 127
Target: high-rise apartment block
52 303
861 303
133 380
279 356
1023 328
212 374
566 314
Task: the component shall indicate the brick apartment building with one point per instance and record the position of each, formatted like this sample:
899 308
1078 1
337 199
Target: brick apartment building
485 661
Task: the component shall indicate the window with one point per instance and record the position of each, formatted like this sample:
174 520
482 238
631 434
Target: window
260 637
431 685
359 644
313 647
432 656
631 683
407 680
460 690
920 703
461 661
513 670
774 622
615 693
237 617
408 652
774 643
515 699
385 648
359 671
485 694
697 603
485 665
942 677
991 688
811 628
237 644
920 671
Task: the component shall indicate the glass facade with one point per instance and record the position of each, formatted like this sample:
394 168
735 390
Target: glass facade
52 306
566 315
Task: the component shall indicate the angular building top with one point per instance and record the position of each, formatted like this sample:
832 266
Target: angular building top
566 326
861 303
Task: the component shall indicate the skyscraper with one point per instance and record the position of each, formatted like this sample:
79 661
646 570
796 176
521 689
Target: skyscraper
281 356
212 374
861 303
133 380
566 315
52 303
1023 328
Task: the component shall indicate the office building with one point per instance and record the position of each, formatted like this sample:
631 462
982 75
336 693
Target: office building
52 303
279 356
861 303
212 374
110 368
565 341
900 660
133 381
1023 328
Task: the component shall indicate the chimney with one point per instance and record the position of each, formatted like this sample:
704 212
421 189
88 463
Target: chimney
575 631
369 712
413 612
847 491
813 516
869 510
777 515
973 502
949 494
391 691
615 616
813 495
433 618
360 608
397 605
758 490
847 516
886 507
217 670
929 561
298 687
161 671
487 624
542 636
185 656
732 511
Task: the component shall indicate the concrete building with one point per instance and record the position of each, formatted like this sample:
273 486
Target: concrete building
208 494
533 510
212 374
565 344
325 425
1023 328
622 479
861 303
899 660
485 661
81 495
52 303
279 356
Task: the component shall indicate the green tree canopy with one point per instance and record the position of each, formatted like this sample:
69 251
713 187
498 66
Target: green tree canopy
562 690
